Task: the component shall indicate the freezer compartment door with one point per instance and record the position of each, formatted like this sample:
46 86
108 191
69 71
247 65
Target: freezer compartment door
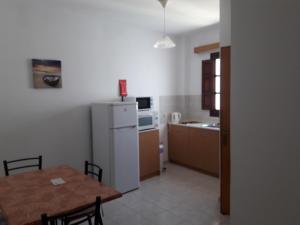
124 115
126 159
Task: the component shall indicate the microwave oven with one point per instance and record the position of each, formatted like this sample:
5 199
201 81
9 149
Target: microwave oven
147 120
144 103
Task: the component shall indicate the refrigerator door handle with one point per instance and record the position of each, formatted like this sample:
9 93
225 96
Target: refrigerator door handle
119 128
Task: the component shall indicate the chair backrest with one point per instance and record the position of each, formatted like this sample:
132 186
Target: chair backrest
93 169
21 164
76 217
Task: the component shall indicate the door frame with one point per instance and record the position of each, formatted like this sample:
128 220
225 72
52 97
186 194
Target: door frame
224 123
225 131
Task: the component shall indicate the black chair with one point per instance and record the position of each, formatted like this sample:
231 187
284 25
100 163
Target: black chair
22 165
79 216
96 170
2 220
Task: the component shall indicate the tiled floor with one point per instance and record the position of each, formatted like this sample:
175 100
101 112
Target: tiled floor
179 196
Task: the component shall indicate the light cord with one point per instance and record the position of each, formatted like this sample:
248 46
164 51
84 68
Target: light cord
165 21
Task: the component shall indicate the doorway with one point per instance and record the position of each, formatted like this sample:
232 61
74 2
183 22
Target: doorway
209 101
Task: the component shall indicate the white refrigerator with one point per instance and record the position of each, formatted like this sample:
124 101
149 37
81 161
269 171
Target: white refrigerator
115 144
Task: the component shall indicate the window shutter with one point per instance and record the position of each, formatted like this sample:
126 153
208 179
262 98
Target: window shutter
208 73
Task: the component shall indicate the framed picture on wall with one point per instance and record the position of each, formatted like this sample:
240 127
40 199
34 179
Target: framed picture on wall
46 73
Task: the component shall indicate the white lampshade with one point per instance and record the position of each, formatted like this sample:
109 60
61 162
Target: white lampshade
165 42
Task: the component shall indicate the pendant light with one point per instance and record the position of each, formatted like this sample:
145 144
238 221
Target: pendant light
165 41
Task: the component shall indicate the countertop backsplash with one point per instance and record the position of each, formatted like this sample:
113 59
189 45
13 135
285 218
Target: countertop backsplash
188 105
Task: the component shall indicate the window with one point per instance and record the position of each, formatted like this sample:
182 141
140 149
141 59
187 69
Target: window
211 84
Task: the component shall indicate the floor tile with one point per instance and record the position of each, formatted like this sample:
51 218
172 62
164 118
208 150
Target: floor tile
180 196
166 218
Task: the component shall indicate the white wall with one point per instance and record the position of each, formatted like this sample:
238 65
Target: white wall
191 64
264 109
95 53
225 23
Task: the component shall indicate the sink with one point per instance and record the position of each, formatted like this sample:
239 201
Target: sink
188 122
214 125
198 124
204 125
194 123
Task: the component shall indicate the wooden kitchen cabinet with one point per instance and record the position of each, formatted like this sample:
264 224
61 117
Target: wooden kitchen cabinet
204 149
178 144
149 154
195 148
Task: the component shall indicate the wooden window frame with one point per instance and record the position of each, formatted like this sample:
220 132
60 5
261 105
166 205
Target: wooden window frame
208 84
213 112
208 69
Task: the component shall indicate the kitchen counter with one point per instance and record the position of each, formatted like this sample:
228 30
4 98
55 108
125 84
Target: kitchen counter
197 125
148 130
195 145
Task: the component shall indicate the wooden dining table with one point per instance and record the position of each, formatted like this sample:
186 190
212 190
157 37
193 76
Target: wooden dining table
24 197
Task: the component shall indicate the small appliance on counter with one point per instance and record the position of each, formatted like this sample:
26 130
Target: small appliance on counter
147 117
144 103
147 120
175 117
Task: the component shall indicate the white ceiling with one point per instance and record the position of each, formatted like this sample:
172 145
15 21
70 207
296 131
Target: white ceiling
182 15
